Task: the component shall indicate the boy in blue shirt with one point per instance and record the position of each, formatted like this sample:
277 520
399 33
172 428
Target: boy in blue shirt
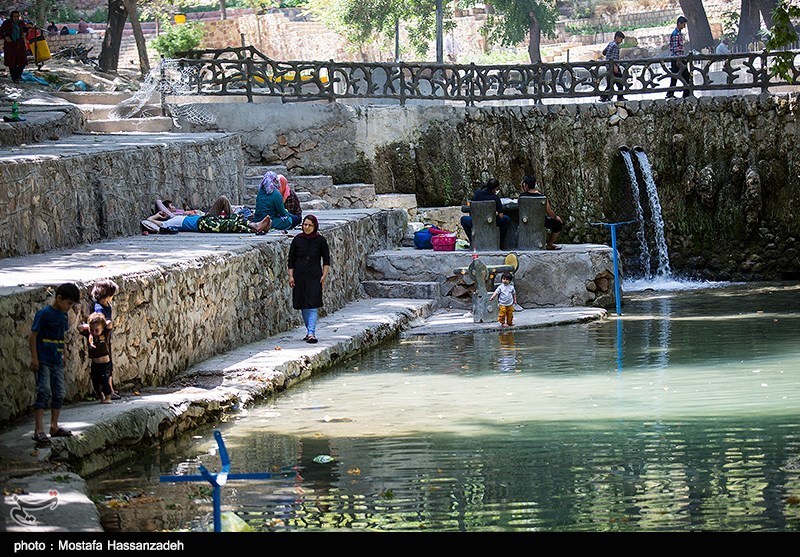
46 343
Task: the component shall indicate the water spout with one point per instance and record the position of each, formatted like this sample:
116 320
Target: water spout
624 149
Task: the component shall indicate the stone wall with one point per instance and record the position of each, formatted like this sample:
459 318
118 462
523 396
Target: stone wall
170 319
49 202
725 167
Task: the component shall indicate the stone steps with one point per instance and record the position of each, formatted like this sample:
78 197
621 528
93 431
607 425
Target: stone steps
98 110
141 125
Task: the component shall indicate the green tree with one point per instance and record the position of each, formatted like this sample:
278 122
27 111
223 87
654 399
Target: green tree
363 21
178 39
783 34
511 21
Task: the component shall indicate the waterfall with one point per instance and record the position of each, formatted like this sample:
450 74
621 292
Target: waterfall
640 232
663 270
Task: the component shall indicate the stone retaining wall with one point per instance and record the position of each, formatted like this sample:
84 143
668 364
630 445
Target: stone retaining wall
725 167
54 201
182 314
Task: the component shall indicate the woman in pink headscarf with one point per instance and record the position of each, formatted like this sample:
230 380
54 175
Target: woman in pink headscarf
290 200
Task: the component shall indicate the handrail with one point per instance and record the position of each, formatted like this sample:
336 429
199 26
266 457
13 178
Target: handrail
246 71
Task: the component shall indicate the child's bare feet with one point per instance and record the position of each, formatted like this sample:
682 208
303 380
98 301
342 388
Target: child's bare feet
105 399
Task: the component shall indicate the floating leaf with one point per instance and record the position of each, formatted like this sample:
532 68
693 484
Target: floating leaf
323 459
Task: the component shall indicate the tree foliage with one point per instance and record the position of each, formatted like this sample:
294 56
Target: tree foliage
178 39
783 34
364 21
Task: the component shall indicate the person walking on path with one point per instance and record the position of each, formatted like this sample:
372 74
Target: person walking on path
309 264
46 342
678 67
611 52
15 48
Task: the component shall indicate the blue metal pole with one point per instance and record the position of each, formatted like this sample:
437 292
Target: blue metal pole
217 509
616 268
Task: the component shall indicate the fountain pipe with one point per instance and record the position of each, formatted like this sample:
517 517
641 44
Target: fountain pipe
624 149
638 149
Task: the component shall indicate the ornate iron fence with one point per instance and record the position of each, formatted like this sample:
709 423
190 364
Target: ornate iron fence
246 71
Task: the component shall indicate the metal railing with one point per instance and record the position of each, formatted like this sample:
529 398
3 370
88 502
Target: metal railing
246 71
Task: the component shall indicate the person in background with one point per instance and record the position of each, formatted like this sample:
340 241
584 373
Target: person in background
46 343
65 30
309 263
611 52
488 193
83 27
290 200
679 67
52 29
552 222
269 203
724 46
15 47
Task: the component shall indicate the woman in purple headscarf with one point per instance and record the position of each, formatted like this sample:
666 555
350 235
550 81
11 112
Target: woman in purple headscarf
269 202
15 48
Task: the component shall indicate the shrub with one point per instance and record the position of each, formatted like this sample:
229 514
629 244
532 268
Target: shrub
178 39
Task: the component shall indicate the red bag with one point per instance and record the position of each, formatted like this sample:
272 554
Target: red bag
444 242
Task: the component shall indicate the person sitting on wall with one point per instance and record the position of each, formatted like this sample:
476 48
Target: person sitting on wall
65 30
269 203
52 29
552 222
488 193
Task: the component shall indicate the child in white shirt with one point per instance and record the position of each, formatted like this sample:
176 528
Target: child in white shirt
506 298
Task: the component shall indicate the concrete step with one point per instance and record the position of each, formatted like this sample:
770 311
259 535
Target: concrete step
258 170
109 111
156 124
315 205
94 97
315 183
402 289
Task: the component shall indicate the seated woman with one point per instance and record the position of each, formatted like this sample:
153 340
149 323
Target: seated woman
290 200
205 223
269 203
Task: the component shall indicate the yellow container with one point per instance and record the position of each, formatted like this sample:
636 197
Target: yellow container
40 50
180 19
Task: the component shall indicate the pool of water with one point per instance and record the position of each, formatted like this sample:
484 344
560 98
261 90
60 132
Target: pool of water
680 415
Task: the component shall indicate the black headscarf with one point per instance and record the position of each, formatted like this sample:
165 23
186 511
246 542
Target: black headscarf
314 234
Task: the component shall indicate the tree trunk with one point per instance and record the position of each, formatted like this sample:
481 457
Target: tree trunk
141 45
535 39
699 29
109 54
749 23
766 7
223 10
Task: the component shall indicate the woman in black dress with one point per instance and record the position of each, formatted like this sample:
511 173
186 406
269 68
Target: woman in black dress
309 264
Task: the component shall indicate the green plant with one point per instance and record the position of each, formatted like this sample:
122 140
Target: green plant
178 39
730 24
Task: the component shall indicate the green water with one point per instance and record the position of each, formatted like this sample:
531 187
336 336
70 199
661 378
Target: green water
681 415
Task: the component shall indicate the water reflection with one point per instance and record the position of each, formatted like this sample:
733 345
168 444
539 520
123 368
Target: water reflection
679 415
